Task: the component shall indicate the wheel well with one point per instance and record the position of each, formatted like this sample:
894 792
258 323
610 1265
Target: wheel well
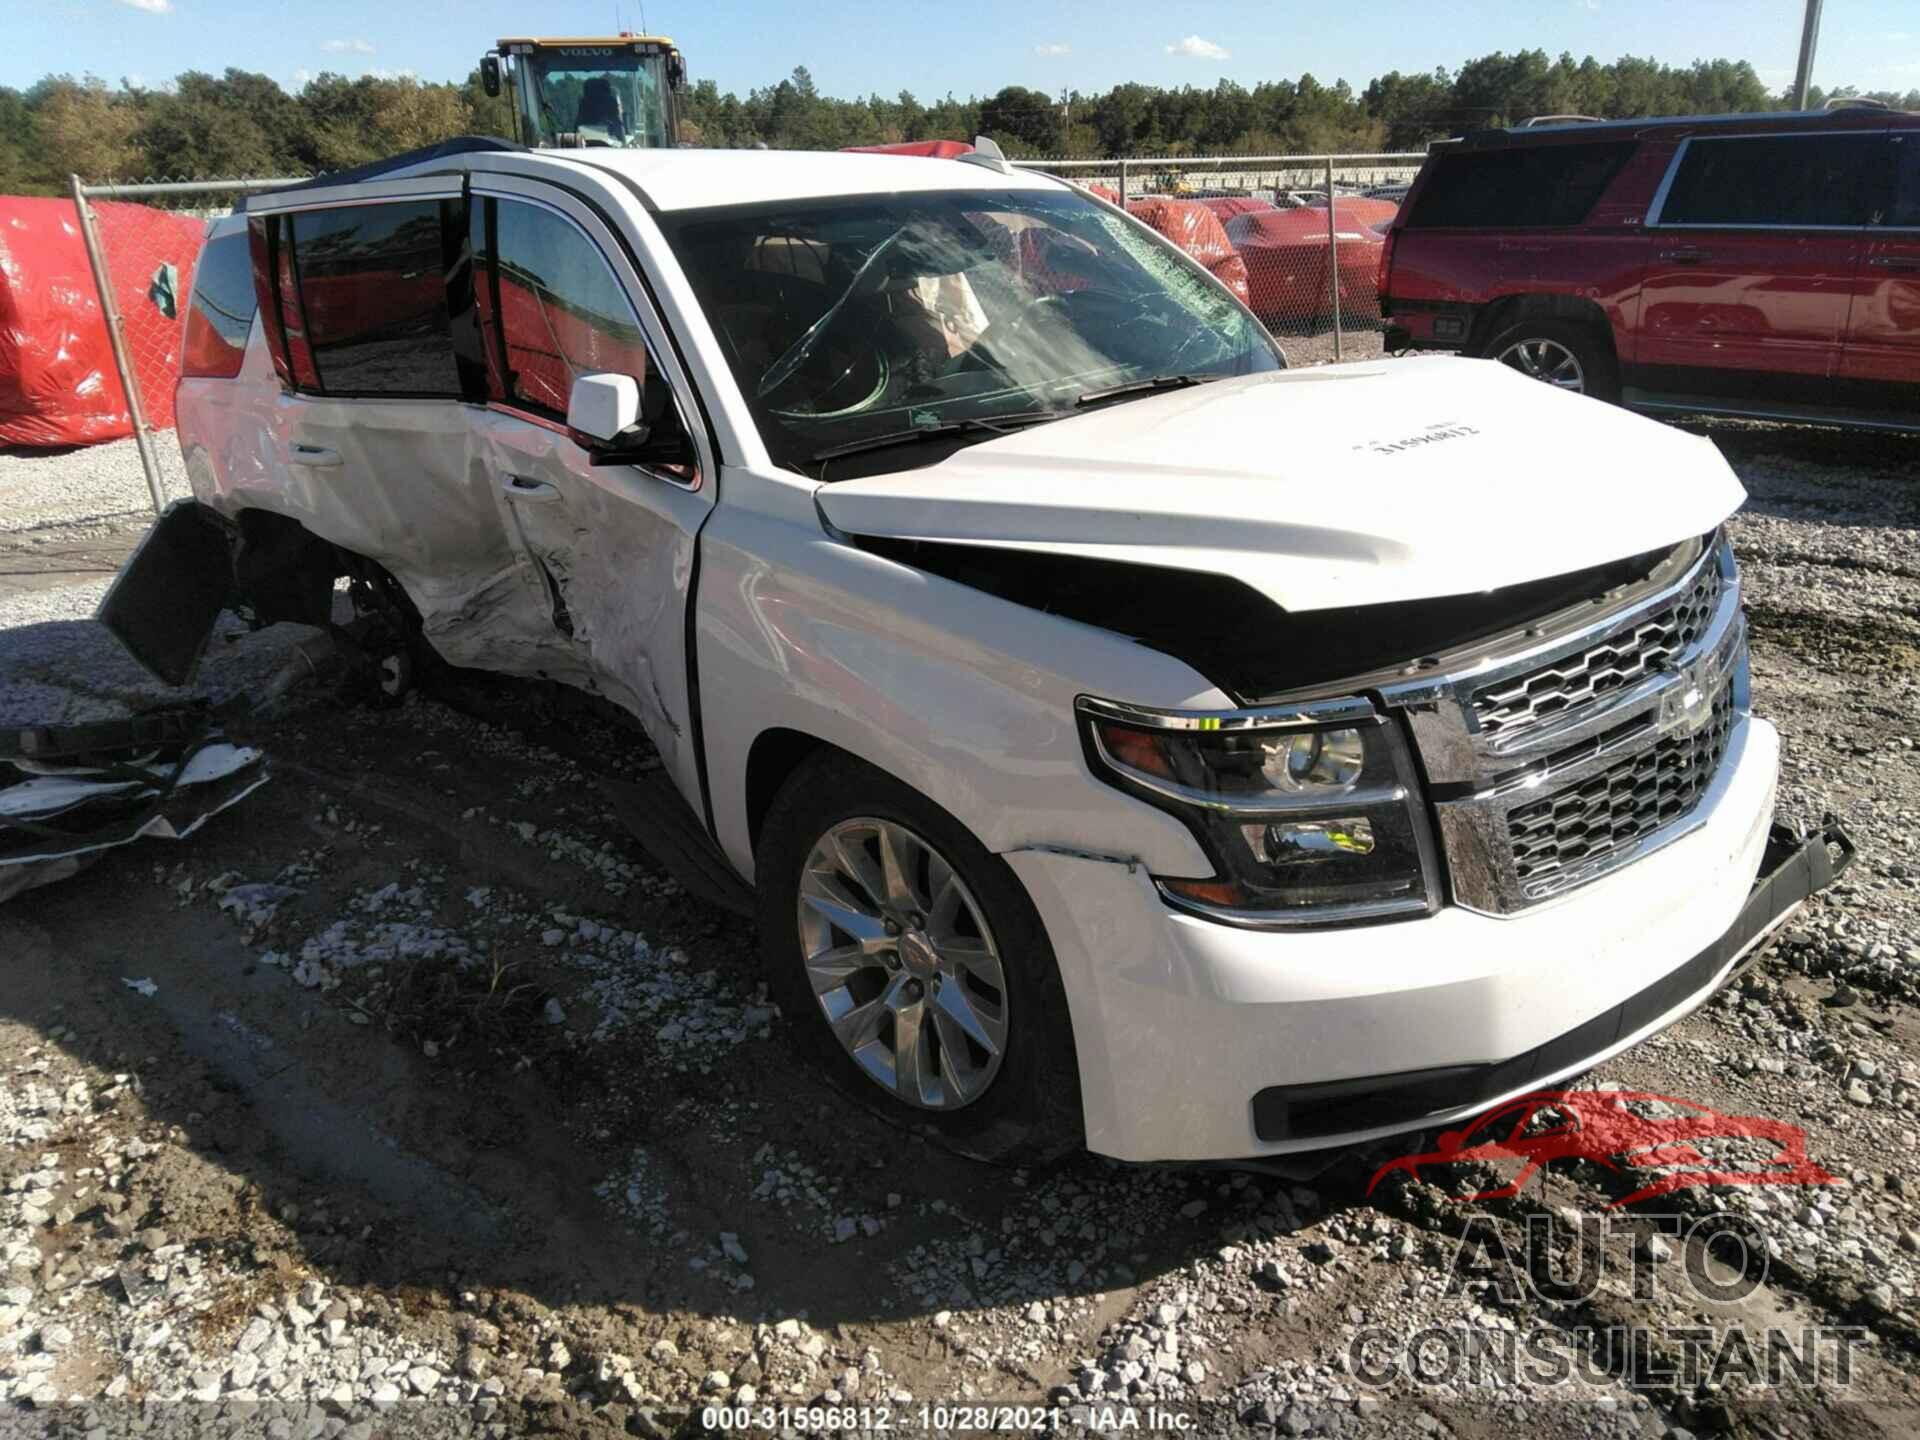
775 755
1511 311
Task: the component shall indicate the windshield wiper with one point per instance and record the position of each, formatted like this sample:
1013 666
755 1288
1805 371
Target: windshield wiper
1151 385
985 425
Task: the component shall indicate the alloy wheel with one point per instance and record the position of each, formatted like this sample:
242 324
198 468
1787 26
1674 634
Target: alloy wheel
902 963
1546 360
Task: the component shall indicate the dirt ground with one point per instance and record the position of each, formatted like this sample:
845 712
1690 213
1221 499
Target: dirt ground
410 1094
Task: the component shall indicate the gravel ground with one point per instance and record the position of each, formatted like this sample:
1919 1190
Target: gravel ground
90 489
410 1090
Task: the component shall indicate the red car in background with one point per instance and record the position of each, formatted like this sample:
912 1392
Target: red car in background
1760 265
1289 256
1192 226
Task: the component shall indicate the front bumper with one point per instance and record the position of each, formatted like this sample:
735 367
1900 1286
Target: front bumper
1180 1023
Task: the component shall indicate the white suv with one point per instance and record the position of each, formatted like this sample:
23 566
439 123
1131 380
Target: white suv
1126 740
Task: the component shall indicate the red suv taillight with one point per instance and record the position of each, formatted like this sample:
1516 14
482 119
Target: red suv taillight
1386 263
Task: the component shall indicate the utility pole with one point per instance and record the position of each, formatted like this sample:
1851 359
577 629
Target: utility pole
1066 119
1809 37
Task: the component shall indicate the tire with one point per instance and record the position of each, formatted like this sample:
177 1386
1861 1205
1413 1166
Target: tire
1550 342
1016 1102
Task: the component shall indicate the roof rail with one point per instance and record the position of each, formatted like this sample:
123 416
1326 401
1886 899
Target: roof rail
373 170
1533 120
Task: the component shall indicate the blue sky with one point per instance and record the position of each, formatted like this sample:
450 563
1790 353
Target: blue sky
856 46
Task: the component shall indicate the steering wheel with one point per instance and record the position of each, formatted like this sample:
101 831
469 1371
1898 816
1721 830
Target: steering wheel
846 366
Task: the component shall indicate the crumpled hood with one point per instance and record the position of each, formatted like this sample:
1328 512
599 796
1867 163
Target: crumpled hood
1334 486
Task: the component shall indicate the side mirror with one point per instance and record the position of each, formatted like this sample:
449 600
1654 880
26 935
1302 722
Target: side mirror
605 408
490 74
676 72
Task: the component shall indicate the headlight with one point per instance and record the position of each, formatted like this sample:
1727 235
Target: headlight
1311 814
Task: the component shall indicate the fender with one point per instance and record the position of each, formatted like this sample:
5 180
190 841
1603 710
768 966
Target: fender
966 697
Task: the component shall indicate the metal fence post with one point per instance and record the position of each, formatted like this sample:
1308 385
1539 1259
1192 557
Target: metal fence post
1333 263
1123 184
110 313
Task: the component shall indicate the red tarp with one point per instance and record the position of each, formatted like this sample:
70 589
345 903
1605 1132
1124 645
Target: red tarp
1193 227
1228 206
935 149
1286 257
1358 212
58 385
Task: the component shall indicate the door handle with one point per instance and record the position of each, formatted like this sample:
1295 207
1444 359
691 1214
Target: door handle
530 491
1894 262
314 457
1686 255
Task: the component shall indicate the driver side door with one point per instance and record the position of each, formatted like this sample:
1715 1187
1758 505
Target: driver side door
610 546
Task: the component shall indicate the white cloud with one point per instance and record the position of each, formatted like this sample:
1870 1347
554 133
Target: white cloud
1053 50
344 47
300 77
152 7
1194 48
403 74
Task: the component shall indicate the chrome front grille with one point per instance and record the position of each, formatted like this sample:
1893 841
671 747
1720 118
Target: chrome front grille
1628 653
1630 799
1560 755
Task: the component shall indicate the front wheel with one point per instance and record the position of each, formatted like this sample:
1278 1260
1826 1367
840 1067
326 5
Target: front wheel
913 966
1561 353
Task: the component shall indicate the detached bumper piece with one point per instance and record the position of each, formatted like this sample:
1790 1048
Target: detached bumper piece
69 794
1793 868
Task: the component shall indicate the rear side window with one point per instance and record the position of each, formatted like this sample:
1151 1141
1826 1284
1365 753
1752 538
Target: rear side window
1903 207
373 297
1526 185
222 309
552 308
1773 180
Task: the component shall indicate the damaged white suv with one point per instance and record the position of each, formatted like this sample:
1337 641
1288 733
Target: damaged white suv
1124 739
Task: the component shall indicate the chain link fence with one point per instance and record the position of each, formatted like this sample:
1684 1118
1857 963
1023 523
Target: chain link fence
142 241
1298 237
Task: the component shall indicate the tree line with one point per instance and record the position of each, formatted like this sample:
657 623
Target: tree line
245 124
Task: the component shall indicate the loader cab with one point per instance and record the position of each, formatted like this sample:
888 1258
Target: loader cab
617 92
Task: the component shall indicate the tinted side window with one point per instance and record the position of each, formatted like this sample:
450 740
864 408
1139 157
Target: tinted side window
1903 208
221 311
373 289
554 308
1524 185
1772 180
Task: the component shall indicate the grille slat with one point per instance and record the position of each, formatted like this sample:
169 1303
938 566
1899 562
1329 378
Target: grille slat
1639 648
1627 800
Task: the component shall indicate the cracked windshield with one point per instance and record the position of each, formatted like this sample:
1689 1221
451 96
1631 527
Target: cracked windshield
897 327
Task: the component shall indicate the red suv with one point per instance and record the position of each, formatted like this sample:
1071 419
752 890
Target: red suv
1764 265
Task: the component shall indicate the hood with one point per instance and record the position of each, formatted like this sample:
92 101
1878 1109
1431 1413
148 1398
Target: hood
1322 488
